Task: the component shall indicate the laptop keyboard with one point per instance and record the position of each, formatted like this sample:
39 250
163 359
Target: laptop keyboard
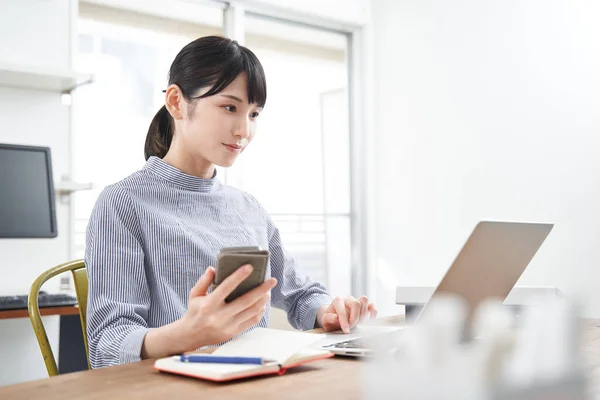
368 342
19 302
358 343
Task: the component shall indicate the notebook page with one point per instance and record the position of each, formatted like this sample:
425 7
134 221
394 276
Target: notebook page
270 344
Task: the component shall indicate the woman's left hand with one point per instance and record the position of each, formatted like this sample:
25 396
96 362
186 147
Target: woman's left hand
345 313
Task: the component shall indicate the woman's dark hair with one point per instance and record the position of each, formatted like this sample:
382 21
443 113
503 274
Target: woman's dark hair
210 61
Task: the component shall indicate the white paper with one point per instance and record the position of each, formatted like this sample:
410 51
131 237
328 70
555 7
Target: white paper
270 344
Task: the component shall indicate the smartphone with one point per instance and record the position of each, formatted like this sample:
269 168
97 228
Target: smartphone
232 258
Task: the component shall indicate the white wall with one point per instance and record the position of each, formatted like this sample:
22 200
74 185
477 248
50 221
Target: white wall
487 109
33 33
35 118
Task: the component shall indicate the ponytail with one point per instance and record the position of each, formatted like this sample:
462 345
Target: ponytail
160 134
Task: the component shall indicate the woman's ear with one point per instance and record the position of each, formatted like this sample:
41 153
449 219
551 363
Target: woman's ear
174 101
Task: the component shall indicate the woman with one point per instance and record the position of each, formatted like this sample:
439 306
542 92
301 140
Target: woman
152 236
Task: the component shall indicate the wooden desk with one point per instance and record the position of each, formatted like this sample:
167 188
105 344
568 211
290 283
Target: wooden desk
44 311
333 378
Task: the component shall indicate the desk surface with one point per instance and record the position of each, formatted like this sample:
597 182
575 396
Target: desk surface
338 377
63 310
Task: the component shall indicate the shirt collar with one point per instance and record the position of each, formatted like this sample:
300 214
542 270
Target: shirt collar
166 171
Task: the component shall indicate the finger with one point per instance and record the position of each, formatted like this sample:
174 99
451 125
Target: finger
252 317
364 307
372 311
340 310
354 306
232 281
248 299
203 283
249 323
330 322
257 309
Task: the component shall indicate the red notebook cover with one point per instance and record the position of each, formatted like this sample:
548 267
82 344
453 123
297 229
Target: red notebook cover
229 372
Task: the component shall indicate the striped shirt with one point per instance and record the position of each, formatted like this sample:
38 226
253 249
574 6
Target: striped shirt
149 239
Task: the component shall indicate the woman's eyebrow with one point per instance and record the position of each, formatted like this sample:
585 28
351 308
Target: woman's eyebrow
233 98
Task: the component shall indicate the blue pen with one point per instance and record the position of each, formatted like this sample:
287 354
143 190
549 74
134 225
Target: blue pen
198 358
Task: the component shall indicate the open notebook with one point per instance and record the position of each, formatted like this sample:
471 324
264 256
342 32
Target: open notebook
288 349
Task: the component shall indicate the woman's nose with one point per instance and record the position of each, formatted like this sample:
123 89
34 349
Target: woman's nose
243 129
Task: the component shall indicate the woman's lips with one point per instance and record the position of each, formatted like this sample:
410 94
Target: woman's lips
234 148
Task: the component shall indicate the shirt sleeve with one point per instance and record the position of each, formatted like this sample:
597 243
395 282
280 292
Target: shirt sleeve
118 296
295 293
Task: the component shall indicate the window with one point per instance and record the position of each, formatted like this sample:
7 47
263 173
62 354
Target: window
111 116
298 165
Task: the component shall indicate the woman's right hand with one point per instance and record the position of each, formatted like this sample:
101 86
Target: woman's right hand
209 320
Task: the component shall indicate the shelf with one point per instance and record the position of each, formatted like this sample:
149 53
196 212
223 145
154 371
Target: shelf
64 188
52 80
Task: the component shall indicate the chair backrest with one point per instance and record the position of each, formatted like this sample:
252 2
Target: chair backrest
77 268
81 291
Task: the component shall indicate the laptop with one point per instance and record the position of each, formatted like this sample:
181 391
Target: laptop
488 266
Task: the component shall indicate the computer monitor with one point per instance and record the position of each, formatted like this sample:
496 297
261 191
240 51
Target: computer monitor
27 207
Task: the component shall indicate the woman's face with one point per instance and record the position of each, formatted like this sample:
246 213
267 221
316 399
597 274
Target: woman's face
216 129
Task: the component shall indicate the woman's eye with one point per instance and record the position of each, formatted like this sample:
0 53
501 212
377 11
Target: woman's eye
254 115
230 108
